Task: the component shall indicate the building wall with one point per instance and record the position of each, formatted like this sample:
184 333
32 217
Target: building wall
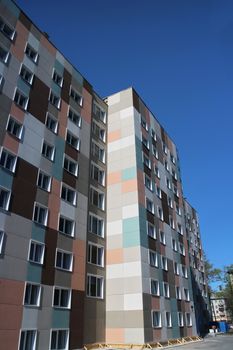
17 221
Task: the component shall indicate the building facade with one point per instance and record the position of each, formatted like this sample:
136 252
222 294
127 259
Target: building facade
219 309
94 244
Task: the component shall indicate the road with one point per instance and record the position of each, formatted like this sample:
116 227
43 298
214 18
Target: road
220 342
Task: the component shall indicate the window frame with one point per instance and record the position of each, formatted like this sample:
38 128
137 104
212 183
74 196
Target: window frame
55 75
6 190
42 255
6 53
166 290
23 346
159 318
67 188
66 219
156 287
155 258
69 298
180 320
168 324
24 106
13 160
98 248
71 260
43 174
148 226
73 162
26 71
151 203
38 294
40 206
72 115
164 263
72 140
53 119
10 130
73 94
2 240
101 278
32 50
57 344
90 224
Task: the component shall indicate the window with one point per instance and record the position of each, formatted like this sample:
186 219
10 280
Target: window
57 78
6 29
95 254
26 74
28 339
32 294
74 117
186 294
170 202
8 160
69 195
36 252
181 248
48 151
153 258
156 171
55 100
176 268
150 206
98 174
2 236
173 159
51 123
180 319
31 53
162 237
95 286
71 166
76 96
146 161
98 131
1 82
174 174
64 260
154 287
175 190
144 123
174 245
4 55
44 181
178 209
148 182
153 135
72 140
96 225
168 319
158 191
21 100
178 293
188 319
151 230
166 290
66 226
156 319
40 214
180 229
164 263
14 127
97 198
172 222
59 339
166 166
155 152
4 198
165 149
61 298
145 142
98 152
99 113
160 213
168 182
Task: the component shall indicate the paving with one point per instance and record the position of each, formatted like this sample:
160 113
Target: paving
219 342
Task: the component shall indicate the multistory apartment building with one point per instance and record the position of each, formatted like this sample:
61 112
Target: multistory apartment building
219 309
94 238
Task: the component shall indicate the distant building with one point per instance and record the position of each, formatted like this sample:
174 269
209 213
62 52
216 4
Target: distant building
219 309
97 242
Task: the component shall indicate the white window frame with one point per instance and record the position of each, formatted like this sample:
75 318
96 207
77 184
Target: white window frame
162 237
64 252
153 261
6 53
158 191
148 182
178 293
57 78
38 294
176 268
164 263
156 287
181 248
99 131
97 277
54 99
150 203
101 151
75 95
146 160
72 162
144 123
10 128
72 140
189 322
23 346
74 117
60 289
40 206
166 290
2 239
23 105
43 176
49 119
101 114
180 228
180 317
153 134
65 189
145 142
101 203
98 225
186 294
100 178
168 320
13 160
160 213
155 152
99 251
5 27
156 171
47 147
174 244
159 319
7 203
23 72
184 271
33 51
36 243
151 231
62 217
57 330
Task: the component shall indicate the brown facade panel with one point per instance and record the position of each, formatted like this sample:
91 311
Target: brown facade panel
136 101
76 320
165 208
65 92
25 20
38 100
71 152
48 271
87 86
24 189
69 179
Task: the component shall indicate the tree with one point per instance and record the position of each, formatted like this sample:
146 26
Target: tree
212 274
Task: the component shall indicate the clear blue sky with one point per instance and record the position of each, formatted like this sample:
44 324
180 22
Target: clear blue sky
178 54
